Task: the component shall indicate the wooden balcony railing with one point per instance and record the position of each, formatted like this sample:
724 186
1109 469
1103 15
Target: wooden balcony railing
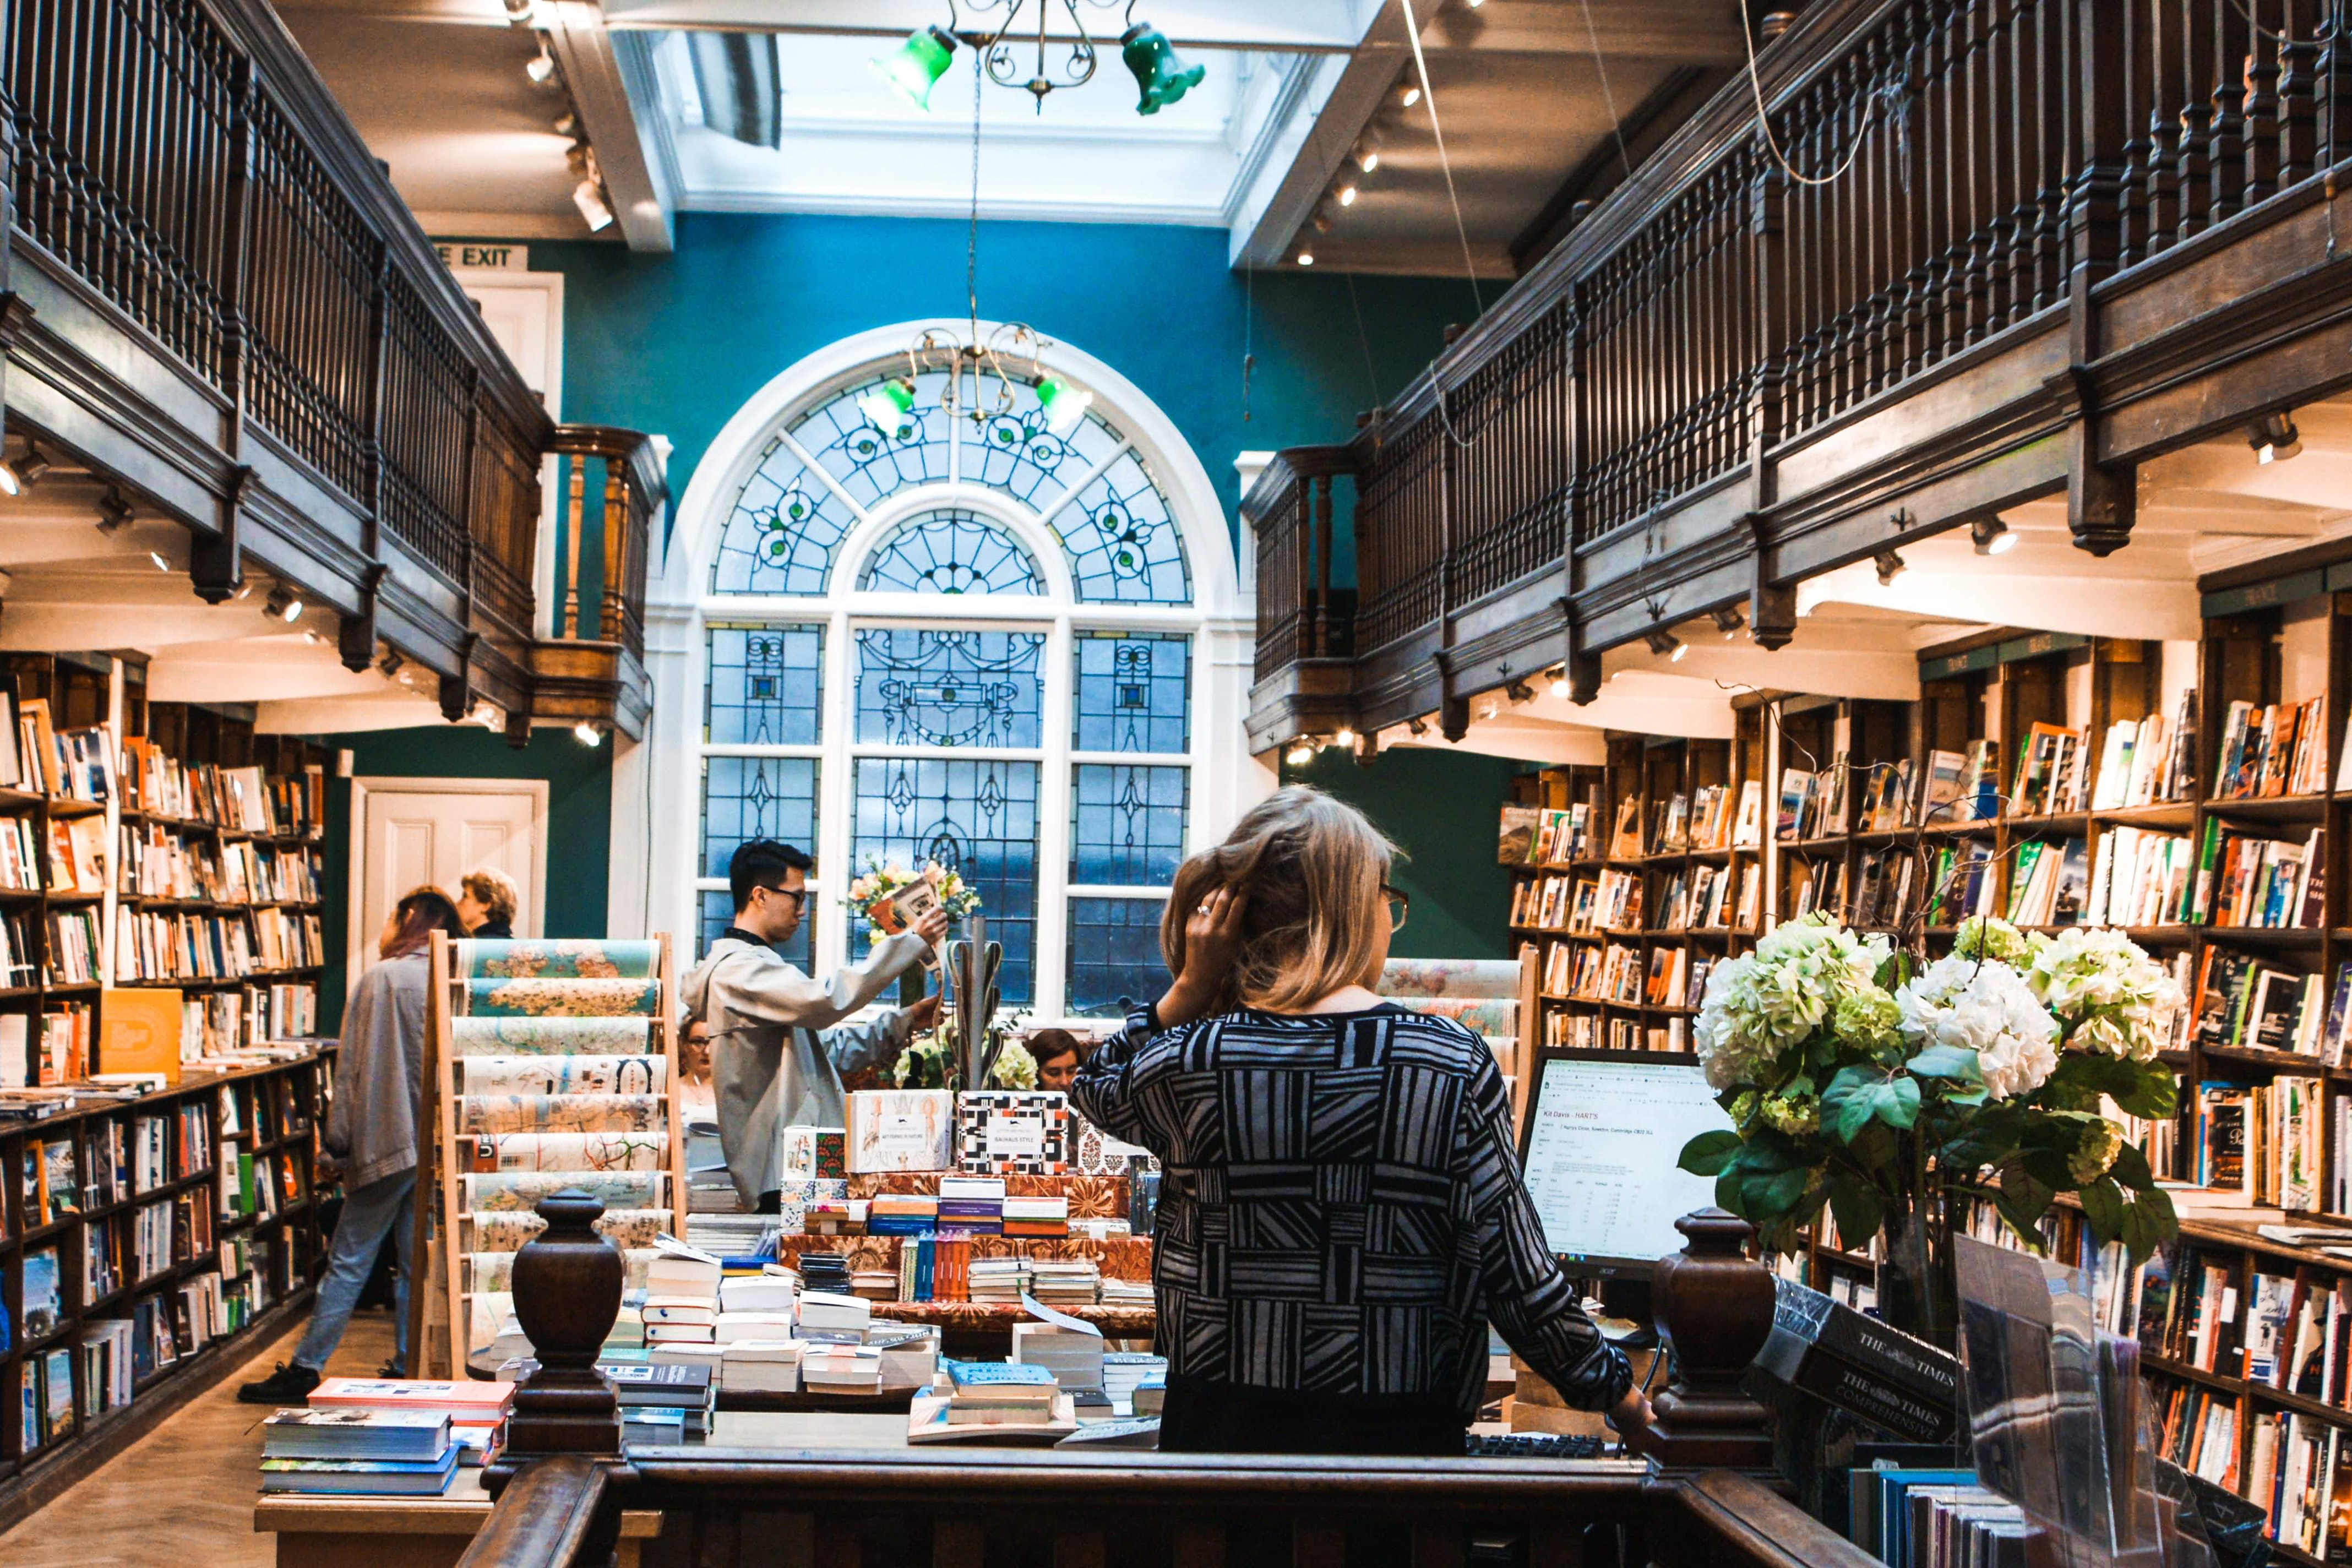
1932 185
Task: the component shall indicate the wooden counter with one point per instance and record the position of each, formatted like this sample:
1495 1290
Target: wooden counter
407 1532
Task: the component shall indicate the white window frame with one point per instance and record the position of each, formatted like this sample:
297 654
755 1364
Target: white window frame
658 802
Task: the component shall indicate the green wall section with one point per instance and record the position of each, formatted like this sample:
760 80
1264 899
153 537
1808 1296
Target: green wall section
1439 808
579 813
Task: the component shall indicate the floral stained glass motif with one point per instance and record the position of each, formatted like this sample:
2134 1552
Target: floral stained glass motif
920 687
870 464
977 817
950 552
1126 823
1134 692
781 536
766 687
1009 448
755 798
1112 942
1123 544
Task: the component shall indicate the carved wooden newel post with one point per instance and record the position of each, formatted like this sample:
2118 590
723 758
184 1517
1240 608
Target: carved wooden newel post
1714 1304
567 1292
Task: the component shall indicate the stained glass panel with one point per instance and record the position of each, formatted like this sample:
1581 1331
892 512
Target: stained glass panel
1126 823
782 533
1122 542
1009 448
978 818
952 552
918 688
756 797
1134 692
1114 954
868 463
719 913
767 685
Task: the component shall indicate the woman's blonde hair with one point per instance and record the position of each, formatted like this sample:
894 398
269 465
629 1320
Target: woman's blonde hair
494 890
1311 869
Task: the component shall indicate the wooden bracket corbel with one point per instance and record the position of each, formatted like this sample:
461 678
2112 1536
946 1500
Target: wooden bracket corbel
2102 503
215 561
458 690
1771 605
355 639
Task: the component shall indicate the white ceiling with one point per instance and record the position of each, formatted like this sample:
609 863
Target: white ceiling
1525 91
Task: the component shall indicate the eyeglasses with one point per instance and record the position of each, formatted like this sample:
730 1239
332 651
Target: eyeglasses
799 896
1400 906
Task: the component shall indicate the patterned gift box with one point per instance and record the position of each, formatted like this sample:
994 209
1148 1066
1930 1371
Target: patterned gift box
901 1130
1100 1155
1013 1132
815 1153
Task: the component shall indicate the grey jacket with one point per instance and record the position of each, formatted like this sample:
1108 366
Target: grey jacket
379 1072
774 1054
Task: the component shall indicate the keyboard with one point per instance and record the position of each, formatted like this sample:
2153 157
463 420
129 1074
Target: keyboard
1529 1445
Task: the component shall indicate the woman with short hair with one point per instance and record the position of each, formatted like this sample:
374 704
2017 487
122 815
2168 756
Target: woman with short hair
1340 1207
487 900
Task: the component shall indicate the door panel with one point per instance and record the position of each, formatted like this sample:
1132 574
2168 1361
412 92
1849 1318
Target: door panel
412 837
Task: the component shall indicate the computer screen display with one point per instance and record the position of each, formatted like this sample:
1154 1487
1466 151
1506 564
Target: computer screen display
1602 1144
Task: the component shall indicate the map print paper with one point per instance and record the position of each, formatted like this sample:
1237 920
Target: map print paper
562 998
625 1228
561 1075
481 1036
562 1152
558 959
559 1113
518 1191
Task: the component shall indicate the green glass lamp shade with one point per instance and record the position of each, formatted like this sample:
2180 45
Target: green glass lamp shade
885 407
1064 403
915 67
1162 77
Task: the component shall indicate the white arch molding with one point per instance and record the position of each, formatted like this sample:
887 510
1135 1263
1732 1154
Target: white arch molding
656 804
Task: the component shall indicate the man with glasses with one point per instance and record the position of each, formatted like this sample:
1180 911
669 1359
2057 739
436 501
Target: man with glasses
778 1046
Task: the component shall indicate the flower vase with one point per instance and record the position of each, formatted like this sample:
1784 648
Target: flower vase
1916 1290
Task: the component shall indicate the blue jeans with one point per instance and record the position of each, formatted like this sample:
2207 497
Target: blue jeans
368 1213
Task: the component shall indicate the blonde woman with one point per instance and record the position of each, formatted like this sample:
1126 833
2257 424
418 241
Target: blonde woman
1340 1209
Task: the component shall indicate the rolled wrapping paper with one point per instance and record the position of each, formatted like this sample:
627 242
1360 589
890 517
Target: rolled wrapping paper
1479 1015
1459 977
494 1272
489 1151
525 1037
625 1228
563 998
562 1075
518 1191
552 958
559 1113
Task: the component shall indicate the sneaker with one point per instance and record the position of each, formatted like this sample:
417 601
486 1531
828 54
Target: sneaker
392 1371
291 1385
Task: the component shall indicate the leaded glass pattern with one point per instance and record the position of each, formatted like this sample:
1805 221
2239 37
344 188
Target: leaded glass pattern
766 685
782 534
1114 954
1134 692
951 550
1126 823
1123 544
1009 448
977 817
869 464
922 687
756 797
719 913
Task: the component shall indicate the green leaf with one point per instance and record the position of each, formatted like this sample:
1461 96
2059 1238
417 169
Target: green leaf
1946 1061
1848 1102
1875 1147
1896 1101
2023 1199
1726 1194
2156 1097
2131 1169
1709 1153
1859 1211
2149 1222
1771 1197
2103 1207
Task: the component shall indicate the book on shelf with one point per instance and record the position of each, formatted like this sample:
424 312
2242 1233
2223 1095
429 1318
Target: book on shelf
2273 750
2139 877
1747 826
2051 771
1515 841
1626 837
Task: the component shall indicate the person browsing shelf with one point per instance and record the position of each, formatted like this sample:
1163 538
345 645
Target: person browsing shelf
372 1134
487 900
1340 1207
778 1043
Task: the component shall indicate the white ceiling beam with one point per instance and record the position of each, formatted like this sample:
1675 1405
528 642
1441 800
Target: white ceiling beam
1559 745
2106 605
1891 674
341 715
644 205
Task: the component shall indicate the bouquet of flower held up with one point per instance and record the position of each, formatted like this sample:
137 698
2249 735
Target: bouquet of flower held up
1876 1083
874 894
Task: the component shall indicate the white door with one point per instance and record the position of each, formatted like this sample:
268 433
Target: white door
415 831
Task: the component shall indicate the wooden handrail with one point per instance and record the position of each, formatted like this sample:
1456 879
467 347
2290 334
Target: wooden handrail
1747 1522
611 536
555 1513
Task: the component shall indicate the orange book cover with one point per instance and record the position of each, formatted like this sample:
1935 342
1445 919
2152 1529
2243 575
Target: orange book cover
140 1031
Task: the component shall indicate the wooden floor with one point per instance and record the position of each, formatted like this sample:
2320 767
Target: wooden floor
183 1494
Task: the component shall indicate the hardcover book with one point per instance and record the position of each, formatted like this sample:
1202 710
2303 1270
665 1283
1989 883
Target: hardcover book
900 1130
1861 1365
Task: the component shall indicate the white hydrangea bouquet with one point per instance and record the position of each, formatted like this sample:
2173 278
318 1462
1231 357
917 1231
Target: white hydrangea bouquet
1867 1080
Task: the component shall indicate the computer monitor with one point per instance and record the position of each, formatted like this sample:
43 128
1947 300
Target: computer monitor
1600 1151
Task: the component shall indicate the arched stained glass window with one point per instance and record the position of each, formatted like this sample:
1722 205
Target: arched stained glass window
1123 544
783 532
952 552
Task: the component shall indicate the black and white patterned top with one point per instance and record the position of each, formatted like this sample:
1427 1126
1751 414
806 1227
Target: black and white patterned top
1340 1207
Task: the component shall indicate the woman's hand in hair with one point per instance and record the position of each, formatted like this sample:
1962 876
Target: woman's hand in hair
1213 935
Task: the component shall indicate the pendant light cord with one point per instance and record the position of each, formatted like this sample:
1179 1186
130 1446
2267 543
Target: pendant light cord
1608 98
1438 130
971 233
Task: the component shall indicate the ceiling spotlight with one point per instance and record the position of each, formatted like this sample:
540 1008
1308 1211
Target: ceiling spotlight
1408 94
114 511
519 10
885 407
1890 567
1520 691
1305 259
541 69
24 473
284 603
1991 536
1729 620
310 637
1301 752
593 206
1559 685
1345 739
1418 726
391 662
1489 708
1665 644
1367 158
915 67
161 565
1347 195
2273 439
567 123
587 735
1064 405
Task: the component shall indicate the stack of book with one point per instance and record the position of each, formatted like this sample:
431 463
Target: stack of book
355 1451
1064 1284
1124 1372
476 1410
1073 1355
1150 1395
875 1284
974 1204
660 1403
997 1278
902 1213
1114 1293
841 1369
909 1351
987 1400
1042 1217
823 1311
773 1289
824 1272
761 1366
681 1302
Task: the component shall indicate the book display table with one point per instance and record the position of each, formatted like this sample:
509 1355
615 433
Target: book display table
405 1532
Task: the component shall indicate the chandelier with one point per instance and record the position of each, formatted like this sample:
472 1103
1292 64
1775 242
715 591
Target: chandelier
915 67
1061 404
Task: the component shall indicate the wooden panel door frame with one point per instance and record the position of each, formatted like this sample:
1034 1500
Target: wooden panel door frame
359 932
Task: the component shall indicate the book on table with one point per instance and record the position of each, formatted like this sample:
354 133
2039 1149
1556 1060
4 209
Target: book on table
469 1401
930 1419
415 1436
361 1477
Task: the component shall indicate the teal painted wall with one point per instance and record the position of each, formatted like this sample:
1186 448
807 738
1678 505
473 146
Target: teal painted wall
579 811
1439 808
